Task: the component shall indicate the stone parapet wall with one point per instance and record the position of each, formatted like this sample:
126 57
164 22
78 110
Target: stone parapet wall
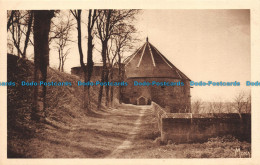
159 112
188 127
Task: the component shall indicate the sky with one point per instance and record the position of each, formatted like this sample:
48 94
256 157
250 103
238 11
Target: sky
206 45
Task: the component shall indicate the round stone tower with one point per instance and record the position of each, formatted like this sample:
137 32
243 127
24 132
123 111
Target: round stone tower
148 65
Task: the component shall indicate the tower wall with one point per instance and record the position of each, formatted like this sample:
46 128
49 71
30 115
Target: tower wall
174 98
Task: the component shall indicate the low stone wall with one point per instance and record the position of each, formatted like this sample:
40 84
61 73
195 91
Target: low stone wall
188 127
159 112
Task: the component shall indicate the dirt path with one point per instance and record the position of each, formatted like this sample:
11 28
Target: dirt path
128 143
105 135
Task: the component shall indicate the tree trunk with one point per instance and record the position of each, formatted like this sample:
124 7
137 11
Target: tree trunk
62 64
120 79
104 41
83 67
59 60
15 36
19 37
90 62
104 72
28 34
62 60
41 29
107 87
112 88
85 93
10 20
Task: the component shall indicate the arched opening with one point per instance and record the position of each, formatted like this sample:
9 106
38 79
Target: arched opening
142 100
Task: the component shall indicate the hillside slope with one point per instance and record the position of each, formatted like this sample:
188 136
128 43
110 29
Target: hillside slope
64 112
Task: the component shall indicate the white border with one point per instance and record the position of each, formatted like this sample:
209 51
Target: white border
253 5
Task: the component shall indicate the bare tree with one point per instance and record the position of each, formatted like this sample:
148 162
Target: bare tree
211 107
197 106
110 68
106 23
218 106
20 24
41 29
248 104
92 17
123 40
29 27
239 102
10 18
229 107
77 15
87 69
62 32
16 31
104 28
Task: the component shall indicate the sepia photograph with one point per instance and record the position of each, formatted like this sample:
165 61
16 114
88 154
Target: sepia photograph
129 84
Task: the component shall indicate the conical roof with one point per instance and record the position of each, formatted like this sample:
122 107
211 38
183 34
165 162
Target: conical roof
147 61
